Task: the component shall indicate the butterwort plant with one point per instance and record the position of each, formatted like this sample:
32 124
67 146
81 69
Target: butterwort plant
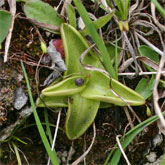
84 91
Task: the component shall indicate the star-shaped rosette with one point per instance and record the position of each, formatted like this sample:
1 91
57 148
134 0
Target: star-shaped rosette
84 91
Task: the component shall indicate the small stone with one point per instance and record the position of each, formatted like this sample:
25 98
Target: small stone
65 153
19 77
157 140
63 159
80 24
24 113
2 2
151 157
20 98
47 34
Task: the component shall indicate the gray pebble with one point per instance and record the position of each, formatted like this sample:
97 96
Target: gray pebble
20 98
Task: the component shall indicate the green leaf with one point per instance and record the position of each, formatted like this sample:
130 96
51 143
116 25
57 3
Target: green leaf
99 23
99 88
81 114
71 15
74 46
143 88
52 101
148 52
66 87
105 105
5 22
95 37
42 12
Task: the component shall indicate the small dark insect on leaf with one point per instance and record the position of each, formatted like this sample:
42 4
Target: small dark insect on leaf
79 81
70 100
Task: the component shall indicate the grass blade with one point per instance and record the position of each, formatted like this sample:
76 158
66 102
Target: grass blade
116 59
115 154
95 36
71 15
48 126
51 154
159 7
99 23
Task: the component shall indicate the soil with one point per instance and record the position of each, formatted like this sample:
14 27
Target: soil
110 122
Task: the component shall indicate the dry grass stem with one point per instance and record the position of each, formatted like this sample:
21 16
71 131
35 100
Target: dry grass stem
132 9
121 149
140 73
131 50
61 1
55 134
162 27
63 10
24 156
90 67
155 91
84 149
70 153
150 44
143 59
87 151
128 117
12 4
107 8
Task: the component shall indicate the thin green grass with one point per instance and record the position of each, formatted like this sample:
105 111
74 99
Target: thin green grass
116 154
95 36
48 126
18 139
159 7
116 59
71 15
123 8
52 154
43 123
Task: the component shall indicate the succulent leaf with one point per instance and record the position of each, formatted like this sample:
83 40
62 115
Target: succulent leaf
81 114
